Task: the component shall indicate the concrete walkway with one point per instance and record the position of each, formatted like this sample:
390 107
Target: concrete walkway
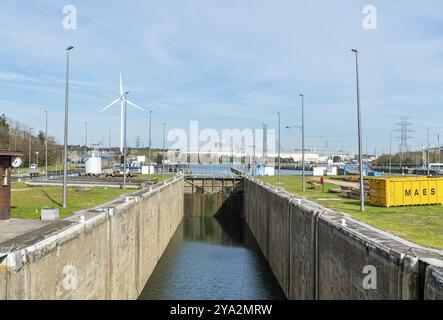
16 233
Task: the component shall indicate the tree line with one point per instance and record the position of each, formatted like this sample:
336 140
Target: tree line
411 158
15 136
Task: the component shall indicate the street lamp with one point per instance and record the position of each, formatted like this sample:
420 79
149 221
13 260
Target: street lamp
164 136
428 155
29 148
360 156
46 146
65 155
124 141
86 136
390 153
303 141
279 147
109 147
253 158
303 154
164 145
149 142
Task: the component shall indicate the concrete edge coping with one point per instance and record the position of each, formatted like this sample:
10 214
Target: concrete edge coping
16 258
338 218
434 262
125 200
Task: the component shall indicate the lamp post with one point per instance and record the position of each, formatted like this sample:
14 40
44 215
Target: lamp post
65 154
303 141
253 171
428 156
109 147
46 145
360 156
303 155
86 136
390 153
164 145
124 141
254 165
29 148
149 142
164 136
36 155
279 147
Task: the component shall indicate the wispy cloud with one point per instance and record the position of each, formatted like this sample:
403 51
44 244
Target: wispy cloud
229 63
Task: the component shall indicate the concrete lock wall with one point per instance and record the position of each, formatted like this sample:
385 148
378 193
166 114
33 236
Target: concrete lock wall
110 255
317 253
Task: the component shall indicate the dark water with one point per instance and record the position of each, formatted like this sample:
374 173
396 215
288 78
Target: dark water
224 170
212 259
214 170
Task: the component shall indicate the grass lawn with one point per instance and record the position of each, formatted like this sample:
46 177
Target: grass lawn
160 177
421 224
27 201
19 185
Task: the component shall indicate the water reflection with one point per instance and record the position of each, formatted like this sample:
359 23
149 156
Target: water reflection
212 258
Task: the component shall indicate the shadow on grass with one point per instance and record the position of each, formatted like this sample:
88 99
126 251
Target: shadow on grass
52 199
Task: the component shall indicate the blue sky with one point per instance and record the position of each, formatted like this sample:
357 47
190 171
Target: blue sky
227 64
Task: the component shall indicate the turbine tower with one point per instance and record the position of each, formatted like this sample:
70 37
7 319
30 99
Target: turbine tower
122 99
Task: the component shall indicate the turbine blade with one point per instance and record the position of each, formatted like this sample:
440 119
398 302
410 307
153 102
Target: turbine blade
110 105
134 105
121 85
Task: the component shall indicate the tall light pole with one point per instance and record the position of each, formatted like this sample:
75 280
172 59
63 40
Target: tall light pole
253 158
124 141
254 166
303 141
29 148
428 156
342 151
164 136
164 145
360 156
149 142
65 154
279 147
46 145
366 154
86 136
109 147
390 153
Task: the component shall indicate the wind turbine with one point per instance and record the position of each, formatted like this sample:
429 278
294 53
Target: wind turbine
122 100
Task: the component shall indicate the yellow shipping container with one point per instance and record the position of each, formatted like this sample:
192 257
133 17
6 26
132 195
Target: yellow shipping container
410 191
